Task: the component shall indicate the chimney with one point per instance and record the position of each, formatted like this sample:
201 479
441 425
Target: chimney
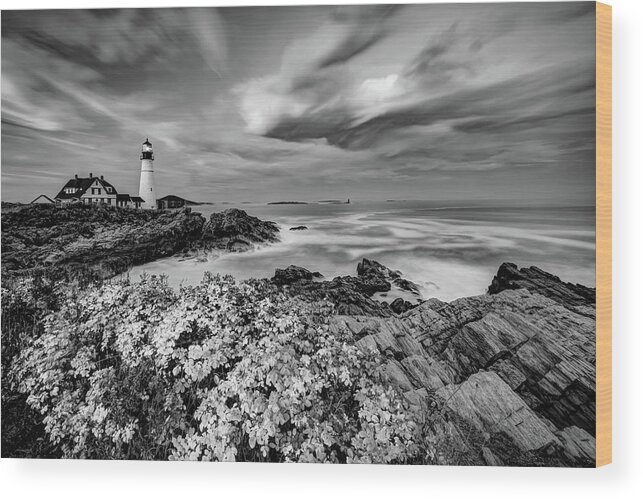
91 175
101 177
76 176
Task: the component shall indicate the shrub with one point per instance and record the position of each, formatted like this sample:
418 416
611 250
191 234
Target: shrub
220 371
25 302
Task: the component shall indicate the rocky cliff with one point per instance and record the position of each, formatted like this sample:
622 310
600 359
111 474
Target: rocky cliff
506 378
104 241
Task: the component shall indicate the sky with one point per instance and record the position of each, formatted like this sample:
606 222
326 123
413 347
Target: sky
439 102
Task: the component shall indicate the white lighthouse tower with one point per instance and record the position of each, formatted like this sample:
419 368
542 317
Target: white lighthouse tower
146 190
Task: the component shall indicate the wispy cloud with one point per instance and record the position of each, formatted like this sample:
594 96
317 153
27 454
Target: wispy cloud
268 102
459 79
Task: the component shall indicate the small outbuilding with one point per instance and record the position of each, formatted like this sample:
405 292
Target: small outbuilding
172 201
127 201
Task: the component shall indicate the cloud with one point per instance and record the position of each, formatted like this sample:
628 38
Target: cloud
120 37
353 30
469 80
282 100
67 72
312 72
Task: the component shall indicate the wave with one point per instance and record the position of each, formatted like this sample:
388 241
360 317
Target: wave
447 256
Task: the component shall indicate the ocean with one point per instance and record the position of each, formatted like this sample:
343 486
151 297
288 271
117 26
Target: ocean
450 250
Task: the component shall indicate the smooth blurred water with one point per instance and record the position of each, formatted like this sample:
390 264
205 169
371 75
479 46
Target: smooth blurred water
449 249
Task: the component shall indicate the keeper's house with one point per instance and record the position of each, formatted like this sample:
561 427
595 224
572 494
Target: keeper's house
94 190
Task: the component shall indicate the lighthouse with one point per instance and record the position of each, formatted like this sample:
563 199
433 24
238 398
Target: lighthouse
146 189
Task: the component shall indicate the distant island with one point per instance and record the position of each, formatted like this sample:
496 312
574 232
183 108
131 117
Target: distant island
323 201
334 201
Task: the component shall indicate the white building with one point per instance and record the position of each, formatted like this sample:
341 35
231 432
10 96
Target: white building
146 190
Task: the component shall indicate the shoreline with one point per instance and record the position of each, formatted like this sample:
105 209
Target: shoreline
492 362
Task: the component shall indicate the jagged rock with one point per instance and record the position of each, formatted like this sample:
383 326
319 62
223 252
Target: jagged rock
293 274
351 295
578 445
490 458
376 271
99 239
492 406
103 240
535 353
396 375
237 226
400 305
299 227
544 283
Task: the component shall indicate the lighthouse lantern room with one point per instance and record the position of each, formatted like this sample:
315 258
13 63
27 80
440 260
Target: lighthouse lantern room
147 190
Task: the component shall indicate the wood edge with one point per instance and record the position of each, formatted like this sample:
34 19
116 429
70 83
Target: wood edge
603 234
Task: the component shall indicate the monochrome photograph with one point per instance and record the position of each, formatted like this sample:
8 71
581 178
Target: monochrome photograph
300 234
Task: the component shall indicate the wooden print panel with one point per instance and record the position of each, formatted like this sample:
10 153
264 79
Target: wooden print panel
457 209
603 234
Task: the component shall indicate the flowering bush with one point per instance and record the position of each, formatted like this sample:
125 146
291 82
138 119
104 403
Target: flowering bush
220 371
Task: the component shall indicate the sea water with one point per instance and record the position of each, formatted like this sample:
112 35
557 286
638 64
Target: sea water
450 250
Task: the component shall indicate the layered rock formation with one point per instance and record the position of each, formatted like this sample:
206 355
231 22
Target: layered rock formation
516 366
538 281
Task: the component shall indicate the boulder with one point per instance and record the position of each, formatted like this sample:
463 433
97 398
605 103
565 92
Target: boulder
293 274
370 269
236 225
400 305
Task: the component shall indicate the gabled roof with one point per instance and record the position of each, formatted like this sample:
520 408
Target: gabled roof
49 200
82 184
137 199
